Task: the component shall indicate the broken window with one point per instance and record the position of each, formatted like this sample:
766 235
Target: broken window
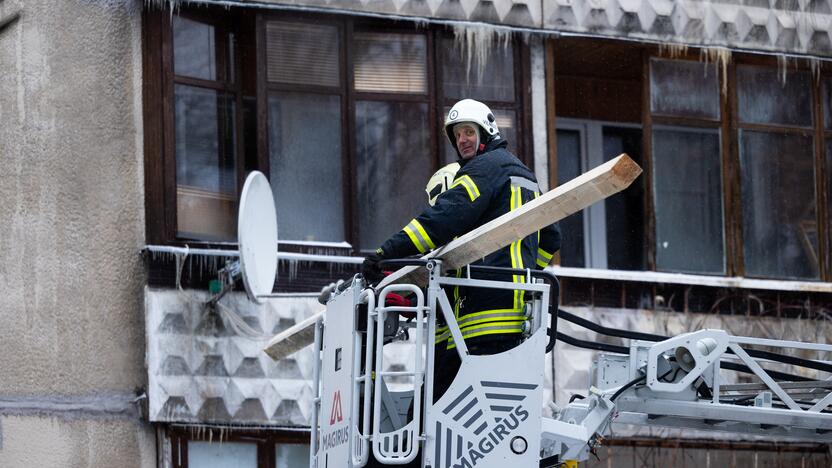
607 235
597 96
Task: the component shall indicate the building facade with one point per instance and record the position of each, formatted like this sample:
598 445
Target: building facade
128 128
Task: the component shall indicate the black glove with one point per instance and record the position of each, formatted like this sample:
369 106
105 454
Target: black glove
370 270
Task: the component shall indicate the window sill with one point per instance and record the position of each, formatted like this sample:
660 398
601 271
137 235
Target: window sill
288 256
695 280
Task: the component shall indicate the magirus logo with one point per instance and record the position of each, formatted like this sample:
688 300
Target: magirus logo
486 424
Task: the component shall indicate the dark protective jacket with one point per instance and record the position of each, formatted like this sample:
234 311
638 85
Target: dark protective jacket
487 186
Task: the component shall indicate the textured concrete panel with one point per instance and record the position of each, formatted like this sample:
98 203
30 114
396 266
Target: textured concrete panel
777 26
201 369
72 210
51 443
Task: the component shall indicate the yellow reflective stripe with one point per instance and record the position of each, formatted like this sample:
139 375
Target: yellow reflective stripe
442 337
414 239
502 328
483 317
424 234
516 201
469 185
543 258
419 236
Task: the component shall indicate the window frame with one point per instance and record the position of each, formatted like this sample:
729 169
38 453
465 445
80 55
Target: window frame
158 95
594 220
158 88
649 120
264 439
729 126
819 134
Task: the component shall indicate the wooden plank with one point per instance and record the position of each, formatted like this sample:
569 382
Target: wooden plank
571 197
294 338
593 186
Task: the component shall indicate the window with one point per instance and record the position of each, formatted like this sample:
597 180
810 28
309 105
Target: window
343 115
687 167
737 155
776 150
492 81
392 132
205 108
598 102
305 129
237 448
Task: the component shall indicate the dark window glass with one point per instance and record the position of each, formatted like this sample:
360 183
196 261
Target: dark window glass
206 175
306 165
687 181
302 53
394 163
390 63
684 88
778 193
624 212
766 96
572 253
194 49
488 79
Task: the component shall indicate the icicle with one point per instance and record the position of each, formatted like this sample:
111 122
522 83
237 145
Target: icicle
672 51
782 68
815 65
475 44
720 57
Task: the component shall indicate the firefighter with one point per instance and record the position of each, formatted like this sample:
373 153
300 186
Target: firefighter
489 183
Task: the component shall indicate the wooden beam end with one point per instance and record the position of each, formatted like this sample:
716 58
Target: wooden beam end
625 169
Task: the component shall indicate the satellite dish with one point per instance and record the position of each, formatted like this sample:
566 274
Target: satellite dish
257 236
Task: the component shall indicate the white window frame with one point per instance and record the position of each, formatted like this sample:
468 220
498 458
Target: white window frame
592 155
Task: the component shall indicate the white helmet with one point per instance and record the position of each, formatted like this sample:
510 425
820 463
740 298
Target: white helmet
469 110
441 181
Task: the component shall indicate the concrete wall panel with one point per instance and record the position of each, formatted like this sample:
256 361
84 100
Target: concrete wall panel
76 443
71 216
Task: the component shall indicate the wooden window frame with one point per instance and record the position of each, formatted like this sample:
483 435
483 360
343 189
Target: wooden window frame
158 88
265 439
721 124
729 127
159 82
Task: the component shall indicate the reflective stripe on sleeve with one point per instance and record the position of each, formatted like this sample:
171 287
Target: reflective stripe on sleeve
470 186
543 258
419 236
525 183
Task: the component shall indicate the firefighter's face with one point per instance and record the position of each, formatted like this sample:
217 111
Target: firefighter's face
466 140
